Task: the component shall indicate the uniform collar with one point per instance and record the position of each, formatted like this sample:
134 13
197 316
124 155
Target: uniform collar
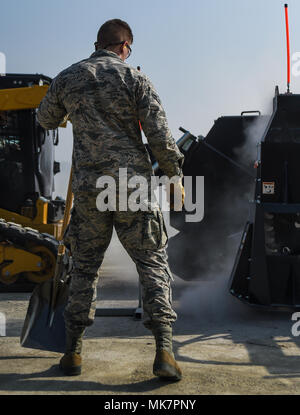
104 52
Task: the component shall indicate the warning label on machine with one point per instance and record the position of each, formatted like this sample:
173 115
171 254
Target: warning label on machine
268 188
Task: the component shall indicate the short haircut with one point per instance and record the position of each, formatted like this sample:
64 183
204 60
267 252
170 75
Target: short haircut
114 31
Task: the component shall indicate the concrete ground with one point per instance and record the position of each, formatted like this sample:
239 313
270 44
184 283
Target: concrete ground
222 346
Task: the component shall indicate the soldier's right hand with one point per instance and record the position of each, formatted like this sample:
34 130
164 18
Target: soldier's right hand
176 196
67 118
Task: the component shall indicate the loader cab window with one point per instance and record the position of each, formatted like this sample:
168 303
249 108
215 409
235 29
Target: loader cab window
3 119
11 166
10 139
10 150
8 122
11 154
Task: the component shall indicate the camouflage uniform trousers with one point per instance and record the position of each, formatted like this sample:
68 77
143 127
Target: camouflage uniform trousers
142 234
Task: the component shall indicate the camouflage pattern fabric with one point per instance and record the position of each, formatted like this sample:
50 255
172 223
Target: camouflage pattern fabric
105 98
143 235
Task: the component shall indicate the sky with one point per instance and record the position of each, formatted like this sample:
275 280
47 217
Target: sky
205 58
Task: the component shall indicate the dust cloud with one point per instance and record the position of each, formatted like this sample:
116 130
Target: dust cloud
248 152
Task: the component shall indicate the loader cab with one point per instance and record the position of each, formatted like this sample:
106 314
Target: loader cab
27 165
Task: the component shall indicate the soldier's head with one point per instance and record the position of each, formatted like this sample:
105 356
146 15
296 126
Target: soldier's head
115 35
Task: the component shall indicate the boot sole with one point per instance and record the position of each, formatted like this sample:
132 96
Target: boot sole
167 372
70 371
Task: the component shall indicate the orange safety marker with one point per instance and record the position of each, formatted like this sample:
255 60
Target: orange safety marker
288 48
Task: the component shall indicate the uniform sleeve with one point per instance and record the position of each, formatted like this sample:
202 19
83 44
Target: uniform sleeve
51 111
155 126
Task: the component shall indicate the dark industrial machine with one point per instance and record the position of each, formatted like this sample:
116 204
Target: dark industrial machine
267 267
250 165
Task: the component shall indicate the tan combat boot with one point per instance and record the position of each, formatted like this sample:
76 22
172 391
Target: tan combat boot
70 363
165 365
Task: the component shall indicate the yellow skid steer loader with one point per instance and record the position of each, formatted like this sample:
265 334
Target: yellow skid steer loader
30 220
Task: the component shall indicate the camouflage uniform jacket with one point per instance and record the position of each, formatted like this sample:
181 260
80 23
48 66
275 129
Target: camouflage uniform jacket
105 99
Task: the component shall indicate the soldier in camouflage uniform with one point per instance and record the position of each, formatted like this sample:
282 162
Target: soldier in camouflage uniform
105 99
